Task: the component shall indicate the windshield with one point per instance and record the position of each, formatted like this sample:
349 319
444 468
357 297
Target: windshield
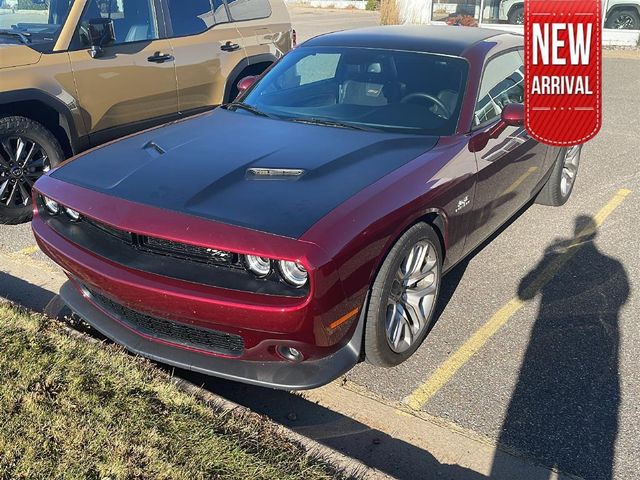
37 23
385 90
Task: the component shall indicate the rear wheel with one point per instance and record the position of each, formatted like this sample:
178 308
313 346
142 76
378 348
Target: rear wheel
27 151
403 297
516 16
624 19
560 185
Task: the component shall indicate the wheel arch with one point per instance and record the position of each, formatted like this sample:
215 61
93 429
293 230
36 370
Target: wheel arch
513 8
622 6
46 110
250 64
434 217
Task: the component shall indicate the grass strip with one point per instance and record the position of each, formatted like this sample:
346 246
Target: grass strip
73 409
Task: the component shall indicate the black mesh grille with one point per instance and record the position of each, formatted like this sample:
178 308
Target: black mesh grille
114 232
188 252
218 342
166 247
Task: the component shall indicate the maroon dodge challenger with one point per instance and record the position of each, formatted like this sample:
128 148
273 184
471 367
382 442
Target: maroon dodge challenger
282 238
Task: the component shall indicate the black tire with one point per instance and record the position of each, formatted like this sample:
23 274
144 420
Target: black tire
377 347
12 208
516 16
624 19
553 193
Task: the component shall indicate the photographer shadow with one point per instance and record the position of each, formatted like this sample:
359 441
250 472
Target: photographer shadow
564 409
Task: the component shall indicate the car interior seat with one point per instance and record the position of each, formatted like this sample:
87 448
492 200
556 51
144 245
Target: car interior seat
137 17
450 100
376 86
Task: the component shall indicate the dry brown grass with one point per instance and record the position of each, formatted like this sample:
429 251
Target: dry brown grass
71 409
389 12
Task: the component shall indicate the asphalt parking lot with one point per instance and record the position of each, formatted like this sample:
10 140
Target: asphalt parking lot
536 346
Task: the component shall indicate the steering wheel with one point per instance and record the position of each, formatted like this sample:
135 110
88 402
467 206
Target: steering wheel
425 96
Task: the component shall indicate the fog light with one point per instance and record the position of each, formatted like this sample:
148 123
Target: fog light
52 206
294 273
290 353
259 266
73 215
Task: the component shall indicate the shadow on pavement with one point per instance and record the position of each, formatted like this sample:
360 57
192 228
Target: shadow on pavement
374 448
564 409
23 293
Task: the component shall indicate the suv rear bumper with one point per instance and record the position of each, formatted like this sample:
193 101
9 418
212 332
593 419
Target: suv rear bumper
280 375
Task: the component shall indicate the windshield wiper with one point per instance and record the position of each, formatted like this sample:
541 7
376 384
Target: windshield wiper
248 108
330 123
24 37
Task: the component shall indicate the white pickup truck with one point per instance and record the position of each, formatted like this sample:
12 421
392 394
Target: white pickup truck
621 14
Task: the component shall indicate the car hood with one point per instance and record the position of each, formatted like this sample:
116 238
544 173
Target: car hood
16 55
201 167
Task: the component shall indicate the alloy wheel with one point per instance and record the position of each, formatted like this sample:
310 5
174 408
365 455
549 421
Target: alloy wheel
569 169
624 21
412 297
22 162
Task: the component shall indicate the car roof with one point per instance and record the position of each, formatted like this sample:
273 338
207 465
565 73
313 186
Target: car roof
441 39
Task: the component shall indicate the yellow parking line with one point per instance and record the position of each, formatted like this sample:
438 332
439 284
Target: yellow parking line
27 251
448 369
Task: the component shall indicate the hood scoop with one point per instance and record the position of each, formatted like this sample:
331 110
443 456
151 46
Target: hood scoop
153 149
265 173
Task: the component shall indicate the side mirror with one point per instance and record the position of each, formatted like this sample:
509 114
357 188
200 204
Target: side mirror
101 34
512 116
246 83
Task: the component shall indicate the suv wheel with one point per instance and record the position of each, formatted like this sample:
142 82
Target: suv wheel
516 16
27 151
624 19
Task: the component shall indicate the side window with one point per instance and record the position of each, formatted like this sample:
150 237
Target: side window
133 20
502 83
249 9
194 16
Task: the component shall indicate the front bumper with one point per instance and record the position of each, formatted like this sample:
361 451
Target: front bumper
277 374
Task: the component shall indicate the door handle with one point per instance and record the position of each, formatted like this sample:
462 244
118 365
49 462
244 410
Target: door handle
230 47
160 58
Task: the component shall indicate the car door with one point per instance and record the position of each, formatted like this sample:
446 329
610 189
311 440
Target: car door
131 84
265 26
510 166
207 47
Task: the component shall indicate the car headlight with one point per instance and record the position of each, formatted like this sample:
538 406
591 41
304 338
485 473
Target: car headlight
73 215
259 266
52 206
293 273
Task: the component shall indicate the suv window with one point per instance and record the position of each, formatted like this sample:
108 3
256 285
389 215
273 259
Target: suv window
502 83
37 24
249 9
133 20
195 16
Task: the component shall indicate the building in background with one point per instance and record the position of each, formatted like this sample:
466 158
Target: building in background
621 19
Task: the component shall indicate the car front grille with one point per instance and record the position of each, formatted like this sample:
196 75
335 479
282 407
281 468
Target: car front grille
168 258
160 246
178 333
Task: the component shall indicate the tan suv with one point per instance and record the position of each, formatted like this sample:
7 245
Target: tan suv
77 73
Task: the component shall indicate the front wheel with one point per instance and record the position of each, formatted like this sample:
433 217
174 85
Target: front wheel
403 297
27 151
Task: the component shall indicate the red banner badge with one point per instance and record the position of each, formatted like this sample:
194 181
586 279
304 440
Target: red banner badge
563 50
